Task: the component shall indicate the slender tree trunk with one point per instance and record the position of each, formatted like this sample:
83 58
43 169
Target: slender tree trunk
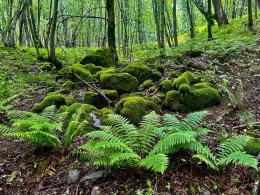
242 8
157 21
234 9
190 15
52 54
162 30
140 23
210 37
175 32
220 13
250 14
111 35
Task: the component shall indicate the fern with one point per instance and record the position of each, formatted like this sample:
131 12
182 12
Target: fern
38 129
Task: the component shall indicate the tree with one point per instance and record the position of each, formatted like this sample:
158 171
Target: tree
220 13
52 54
175 33
250 14
210 37
111 35
190 14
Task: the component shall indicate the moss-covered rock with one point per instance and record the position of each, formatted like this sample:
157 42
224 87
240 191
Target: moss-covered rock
139 71
65 72
52 86
186 78
192 98
51 99
80 112
175 73
69 101
145 85
123 82
135 107
98 100
93 69
105 71
81 71
46 66
253 146
67 87
100 57
166 85
105 113
156 75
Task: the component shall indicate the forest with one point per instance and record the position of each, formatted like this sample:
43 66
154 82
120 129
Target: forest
130 97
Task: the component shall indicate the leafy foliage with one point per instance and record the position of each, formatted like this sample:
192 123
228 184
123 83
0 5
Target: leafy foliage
37 128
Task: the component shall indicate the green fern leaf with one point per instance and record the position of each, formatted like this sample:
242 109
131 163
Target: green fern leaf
157 163
206 160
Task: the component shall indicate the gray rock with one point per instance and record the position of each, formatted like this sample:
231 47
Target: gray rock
205 191
91 178
258 42
73 176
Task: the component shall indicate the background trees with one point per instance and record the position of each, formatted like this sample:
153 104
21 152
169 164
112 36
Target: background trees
91 23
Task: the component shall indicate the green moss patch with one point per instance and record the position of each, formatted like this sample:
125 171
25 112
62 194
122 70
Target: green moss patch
139 71
81 71
135 107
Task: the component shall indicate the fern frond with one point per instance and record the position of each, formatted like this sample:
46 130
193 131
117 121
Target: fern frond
50 112
5 130
104 136
206 160
152 120
239 158
233 144
170 120
38 137
119 158
71 132
157 163
193 120
174 139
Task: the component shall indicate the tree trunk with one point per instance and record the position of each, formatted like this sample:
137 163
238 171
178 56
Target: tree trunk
52 54
157 21
140 23
162 30
242 8
190 15
250 14
220 13
175 32
111 35
210 37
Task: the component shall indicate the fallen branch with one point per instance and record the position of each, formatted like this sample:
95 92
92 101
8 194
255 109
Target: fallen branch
240 127
96 89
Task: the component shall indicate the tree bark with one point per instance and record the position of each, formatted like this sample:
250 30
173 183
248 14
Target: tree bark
111 35
220 13
250 14
210 37
190 15
175 32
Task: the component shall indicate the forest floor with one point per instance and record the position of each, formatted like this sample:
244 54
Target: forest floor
26 171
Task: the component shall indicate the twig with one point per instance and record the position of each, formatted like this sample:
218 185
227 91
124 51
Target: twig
96 89
245 126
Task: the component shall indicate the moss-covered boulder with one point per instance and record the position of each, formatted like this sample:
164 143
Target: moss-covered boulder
52 86
67 87
253 146
105 71
100 57
156 75
145 85
139 71
46 66
49 100
135 107
65 72
80 113
122 82
93 69
166 85
192 97
81 71
105 113
98 100
185 78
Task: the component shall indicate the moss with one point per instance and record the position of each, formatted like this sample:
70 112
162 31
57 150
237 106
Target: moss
194 53
134 108
175 73
67 87
63 108
65 72
80 112
184 88
119 81
253 146
156 75
100 57
156 99
186 78
69 101
93 69
145 85
105 113
152 89
105 71
192 98
51 99
139 71
81 71
166 85
160 68
52 86
98 100
46 66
